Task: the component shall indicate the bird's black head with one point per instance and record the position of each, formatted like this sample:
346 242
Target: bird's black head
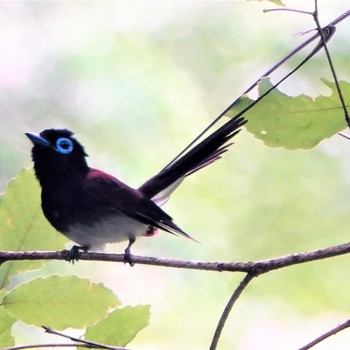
57 156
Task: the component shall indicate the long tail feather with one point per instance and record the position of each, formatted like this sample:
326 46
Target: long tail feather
200 156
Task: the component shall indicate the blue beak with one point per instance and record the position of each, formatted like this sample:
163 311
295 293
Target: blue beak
38 140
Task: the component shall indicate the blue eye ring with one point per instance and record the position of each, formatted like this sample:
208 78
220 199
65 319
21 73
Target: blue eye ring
64 145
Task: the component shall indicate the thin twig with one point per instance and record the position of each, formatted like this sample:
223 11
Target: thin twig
324 40
249 89
236 294
289 10
327 35
326 335
34 346
344 135
255 267
86 343
331 65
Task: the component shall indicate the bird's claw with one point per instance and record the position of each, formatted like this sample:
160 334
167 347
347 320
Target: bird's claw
128 257
74 253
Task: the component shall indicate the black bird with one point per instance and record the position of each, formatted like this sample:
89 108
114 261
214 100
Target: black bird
93 208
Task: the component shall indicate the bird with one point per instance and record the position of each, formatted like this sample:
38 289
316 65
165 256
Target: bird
93 208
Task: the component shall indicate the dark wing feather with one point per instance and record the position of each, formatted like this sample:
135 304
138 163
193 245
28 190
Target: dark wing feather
113 195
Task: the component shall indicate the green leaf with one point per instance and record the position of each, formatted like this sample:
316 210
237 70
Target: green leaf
23 225
6 322
294 122
120 326
60 302
276 2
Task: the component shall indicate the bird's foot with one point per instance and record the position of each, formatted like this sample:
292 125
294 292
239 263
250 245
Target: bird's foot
74 253
128 258
127 253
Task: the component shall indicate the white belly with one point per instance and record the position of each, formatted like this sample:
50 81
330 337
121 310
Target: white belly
112 230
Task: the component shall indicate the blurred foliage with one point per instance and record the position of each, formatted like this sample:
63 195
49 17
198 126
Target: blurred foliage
137 82
23 225
6 322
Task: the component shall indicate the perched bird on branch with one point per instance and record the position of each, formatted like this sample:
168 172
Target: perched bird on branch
93 208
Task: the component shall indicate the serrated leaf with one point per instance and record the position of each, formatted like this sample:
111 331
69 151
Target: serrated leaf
6 322
294 122
120 326
23 225
60 302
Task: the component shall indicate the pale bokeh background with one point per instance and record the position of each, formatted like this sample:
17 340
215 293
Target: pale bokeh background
137 81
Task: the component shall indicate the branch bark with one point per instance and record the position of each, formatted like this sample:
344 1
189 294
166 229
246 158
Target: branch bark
254 268
236 294
326 335
86 343
77 343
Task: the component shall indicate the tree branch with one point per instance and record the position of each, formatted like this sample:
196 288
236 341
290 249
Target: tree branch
54 345
326 335
86 343
255 268
77 343
236 294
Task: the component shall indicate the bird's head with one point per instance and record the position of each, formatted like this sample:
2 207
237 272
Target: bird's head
57 155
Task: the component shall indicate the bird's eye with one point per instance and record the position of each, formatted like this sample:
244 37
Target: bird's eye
64 145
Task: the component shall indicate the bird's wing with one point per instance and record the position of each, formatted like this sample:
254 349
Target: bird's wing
113 195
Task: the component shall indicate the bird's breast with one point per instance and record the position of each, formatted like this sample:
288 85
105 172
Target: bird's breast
86 219
111 229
